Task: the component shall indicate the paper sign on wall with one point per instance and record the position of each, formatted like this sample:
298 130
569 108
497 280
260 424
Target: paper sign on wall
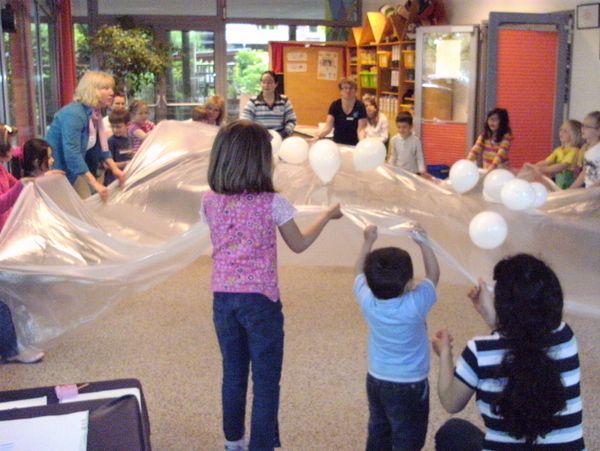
297 56
297 67
327 66
448 58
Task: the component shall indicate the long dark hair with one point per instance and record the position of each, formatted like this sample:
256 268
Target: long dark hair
529 303
35 156
503 128
241 159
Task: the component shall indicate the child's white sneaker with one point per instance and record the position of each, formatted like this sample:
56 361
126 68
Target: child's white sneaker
238 445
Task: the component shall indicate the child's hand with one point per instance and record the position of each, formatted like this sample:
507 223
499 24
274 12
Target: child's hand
442 342
370 233
335 212
483 301
418 233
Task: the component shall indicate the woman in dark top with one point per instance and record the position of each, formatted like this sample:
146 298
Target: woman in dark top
346 116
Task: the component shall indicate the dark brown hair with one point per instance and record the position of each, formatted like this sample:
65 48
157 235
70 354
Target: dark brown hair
404 117
241 159
119 116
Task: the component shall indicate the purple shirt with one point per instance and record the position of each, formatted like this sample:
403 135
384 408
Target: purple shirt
244 237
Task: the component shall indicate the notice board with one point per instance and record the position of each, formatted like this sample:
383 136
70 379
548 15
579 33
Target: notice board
311 76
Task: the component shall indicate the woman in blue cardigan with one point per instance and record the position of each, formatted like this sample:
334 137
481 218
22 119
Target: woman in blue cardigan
77 134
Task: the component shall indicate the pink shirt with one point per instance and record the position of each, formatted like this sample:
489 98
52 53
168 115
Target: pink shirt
10 188
244 237
135 141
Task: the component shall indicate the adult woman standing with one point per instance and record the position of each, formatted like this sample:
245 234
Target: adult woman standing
271 109
77 130
215 109
346 116
526 374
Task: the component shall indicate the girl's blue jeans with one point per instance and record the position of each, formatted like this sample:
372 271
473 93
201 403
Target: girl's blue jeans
8 337
250 332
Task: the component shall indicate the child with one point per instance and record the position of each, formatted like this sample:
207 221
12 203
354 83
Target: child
377 122
119 143
140 125
243 211
395 310
200 114
494 143
10 351
37 157
561 163
590 152
406 149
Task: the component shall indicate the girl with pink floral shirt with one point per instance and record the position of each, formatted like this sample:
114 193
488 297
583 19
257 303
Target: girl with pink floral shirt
243 212
140 125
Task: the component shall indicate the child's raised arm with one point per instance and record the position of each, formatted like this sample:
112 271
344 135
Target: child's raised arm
297 240
370 234
432 269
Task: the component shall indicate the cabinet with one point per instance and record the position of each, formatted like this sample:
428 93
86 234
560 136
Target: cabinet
382 61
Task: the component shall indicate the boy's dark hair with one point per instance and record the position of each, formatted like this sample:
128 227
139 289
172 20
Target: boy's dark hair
241 159
119 116
388 270
404 118
35 156
199 114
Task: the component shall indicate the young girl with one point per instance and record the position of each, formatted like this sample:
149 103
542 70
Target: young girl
140 126
562 162
243 212
494 143
525 374
215 108
377 122
37 157
589 155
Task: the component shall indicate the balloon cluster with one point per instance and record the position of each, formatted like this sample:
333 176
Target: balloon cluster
488 229
324 156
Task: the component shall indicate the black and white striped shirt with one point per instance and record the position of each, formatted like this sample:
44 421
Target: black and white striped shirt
279 117
478 367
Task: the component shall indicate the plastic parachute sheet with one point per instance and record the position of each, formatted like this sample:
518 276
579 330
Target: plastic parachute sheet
64 261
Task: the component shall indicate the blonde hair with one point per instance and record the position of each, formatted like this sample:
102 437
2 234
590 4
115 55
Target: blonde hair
575 130
87 91
219 102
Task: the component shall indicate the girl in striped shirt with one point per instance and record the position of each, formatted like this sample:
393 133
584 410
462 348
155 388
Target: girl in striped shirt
493 145
525 375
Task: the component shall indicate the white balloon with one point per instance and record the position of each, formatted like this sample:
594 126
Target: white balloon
517 194
488 230
369 154
275 141
494 181
325 160
294 150
464 175
541 194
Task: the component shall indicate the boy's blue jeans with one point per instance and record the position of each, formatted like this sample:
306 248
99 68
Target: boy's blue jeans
398 414
8 337
250 330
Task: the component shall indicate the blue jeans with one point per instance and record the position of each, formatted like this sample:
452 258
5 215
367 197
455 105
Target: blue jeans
250 330
459 434
398 414
8 336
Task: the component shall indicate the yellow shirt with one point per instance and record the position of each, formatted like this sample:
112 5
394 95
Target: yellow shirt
564 155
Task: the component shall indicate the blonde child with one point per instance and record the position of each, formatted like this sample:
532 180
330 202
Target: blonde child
493 145
243 212
590 152
140 126
562 162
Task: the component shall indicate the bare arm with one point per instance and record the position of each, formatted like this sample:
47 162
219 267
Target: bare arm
579 181
141 134
361 130
453 393
432 268
297 240
114 167
370 234
483 301
99 187
328 127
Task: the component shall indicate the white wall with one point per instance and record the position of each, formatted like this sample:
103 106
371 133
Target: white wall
585 78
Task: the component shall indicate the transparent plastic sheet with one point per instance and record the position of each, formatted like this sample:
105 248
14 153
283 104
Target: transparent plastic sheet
64 261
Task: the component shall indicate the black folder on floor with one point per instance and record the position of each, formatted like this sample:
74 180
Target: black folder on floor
114 423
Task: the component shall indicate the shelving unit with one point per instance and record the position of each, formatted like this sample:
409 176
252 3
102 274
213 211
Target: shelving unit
382 62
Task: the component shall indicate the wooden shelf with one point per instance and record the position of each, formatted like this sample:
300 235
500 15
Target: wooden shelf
390 93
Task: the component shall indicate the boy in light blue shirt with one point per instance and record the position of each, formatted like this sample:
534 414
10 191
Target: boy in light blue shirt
395 310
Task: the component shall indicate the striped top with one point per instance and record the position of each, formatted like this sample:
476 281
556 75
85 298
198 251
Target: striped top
494 155
279 117
478 367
